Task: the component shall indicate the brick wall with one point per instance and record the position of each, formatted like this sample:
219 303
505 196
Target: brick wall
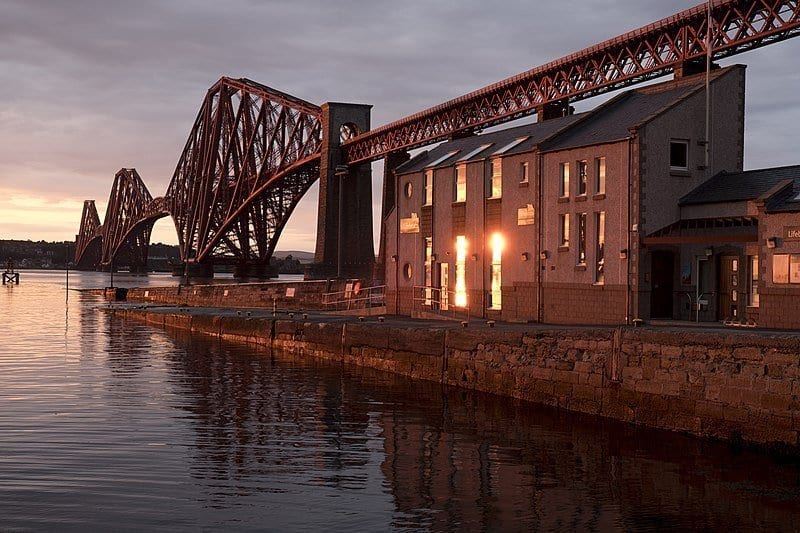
576 303
779 307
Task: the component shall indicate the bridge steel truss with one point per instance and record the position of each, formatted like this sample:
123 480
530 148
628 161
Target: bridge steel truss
253 151
252 154
736 26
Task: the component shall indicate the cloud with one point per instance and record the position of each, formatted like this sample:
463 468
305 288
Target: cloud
93 85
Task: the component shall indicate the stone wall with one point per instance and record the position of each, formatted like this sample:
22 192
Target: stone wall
736 386
284 295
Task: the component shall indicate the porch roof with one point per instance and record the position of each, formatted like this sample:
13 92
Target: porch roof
714 230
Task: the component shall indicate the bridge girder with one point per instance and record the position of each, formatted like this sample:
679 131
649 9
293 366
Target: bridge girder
654 50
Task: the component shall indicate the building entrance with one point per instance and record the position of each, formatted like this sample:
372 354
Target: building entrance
728 288
662 273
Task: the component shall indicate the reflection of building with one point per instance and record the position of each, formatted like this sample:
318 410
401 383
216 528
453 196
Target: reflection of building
599 217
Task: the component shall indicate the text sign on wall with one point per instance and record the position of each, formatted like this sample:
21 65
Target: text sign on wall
410 225
791 233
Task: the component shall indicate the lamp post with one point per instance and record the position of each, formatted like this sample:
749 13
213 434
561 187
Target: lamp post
340 172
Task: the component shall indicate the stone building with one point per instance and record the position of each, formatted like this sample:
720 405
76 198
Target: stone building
594 218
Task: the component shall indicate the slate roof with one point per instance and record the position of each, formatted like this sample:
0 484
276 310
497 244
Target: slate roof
740 186
613 120
537 133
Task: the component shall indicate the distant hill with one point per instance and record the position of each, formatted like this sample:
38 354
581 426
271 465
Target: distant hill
42 254
303 257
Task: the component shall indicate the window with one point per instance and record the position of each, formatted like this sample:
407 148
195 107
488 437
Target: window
409 189
524 177
563 190
679 155
600 249
427 186
461 271
563 230
581 238
583 171
496 244
753 282
428 269
496 181
408 271
786 268
461 183
600 175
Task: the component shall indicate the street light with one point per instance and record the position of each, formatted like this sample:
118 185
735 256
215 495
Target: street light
341 172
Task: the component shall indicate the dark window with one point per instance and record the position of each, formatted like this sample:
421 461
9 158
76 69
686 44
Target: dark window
679 155
583 171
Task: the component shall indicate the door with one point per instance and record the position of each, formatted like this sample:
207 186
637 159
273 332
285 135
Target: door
728 288
662 273
444 283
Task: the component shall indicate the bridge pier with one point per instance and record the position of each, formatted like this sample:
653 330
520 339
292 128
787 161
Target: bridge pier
253 270
198 270
355 184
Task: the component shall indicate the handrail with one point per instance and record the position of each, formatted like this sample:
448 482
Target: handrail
439 301
373 296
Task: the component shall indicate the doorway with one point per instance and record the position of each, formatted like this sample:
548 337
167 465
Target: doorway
662 272
728 287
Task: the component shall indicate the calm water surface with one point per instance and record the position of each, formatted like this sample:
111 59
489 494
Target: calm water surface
109 424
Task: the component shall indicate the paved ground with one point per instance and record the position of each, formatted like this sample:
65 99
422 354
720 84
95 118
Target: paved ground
402 321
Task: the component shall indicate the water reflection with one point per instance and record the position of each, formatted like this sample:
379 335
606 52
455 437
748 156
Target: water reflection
118 425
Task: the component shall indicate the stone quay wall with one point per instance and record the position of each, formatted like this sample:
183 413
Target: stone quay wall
282 294
734 386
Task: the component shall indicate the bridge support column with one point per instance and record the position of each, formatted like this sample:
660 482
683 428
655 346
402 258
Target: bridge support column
358 251
198 270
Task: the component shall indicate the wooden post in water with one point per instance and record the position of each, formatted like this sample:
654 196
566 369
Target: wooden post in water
10 276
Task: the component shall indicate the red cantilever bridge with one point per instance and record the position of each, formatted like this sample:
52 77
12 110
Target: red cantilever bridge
253 152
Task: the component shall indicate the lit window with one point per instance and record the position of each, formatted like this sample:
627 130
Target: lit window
583 171
786 268
753 289
524 177
428 269
496 182
600 250
563 190
679 155
496 295
428 187
461 183
581 238
600 175
563 230
461 271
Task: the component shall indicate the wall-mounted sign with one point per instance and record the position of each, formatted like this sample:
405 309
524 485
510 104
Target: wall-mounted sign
290 292
526 215
791 233
410 224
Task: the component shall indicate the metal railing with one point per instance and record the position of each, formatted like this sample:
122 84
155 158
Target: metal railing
366 298
438 301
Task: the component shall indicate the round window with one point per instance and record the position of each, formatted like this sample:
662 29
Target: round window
409 189
407 271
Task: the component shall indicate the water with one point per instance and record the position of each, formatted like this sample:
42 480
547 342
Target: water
107 424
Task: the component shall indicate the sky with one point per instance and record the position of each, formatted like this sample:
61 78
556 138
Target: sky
91 86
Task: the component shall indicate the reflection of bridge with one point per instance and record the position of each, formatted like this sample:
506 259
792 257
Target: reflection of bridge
253 151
